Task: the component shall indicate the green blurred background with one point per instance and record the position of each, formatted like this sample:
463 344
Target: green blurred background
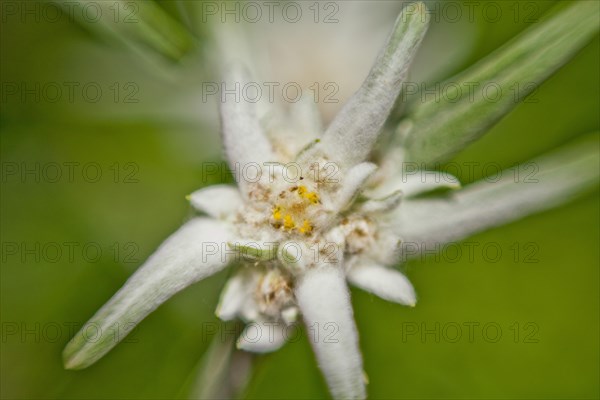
150 154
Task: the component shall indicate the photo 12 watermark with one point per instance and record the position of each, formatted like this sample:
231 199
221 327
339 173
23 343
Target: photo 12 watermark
489 171
268 172
69 252
63 331
490 12
471 252
93 12
253 12
469 332
253 92
69 172
70 92
470 92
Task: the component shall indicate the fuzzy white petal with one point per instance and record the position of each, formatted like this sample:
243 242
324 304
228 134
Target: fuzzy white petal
306 118
262 337
236 298
415 183
555 179
218 201
293 131
384 204
232 298
353 132
243 138
352 183
324 300
384 282
189 255
296 256
427 181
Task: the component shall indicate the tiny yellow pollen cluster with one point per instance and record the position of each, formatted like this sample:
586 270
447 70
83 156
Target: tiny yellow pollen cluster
287 218
277 213
306 227
288 222
310 196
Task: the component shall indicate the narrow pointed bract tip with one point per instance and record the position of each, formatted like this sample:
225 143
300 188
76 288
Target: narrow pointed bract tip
70 359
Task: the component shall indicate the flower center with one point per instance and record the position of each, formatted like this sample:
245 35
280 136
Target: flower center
294 209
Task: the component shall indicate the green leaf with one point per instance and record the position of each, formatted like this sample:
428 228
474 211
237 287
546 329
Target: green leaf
440 127
140 25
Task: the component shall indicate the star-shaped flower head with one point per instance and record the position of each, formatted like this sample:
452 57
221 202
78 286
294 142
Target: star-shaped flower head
314 210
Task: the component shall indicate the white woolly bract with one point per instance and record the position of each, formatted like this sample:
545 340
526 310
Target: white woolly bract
384 282
218 201
324 301
180 261
262 337
243 137
237 298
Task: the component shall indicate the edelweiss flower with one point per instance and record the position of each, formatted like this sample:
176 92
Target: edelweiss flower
314 210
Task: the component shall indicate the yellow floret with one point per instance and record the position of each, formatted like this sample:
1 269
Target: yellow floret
310 196
288 222
306 227
277 213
